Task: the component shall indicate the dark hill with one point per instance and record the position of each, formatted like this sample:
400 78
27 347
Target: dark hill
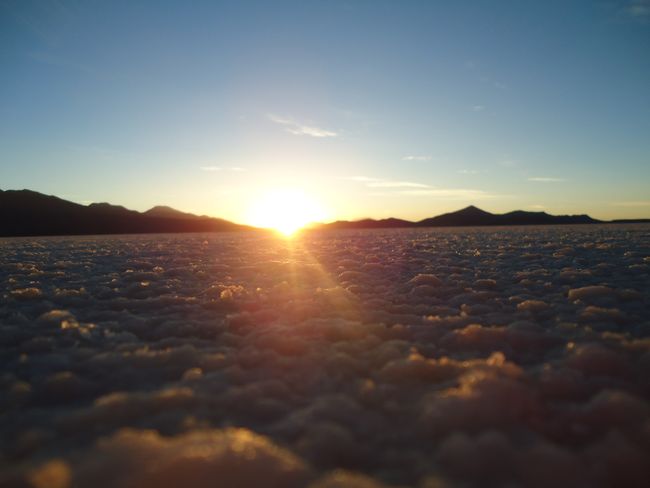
631 221
520 217
28 213
467 216
475 216
367 224
470 216
168 212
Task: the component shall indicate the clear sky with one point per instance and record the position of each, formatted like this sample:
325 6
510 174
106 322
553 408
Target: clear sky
372 108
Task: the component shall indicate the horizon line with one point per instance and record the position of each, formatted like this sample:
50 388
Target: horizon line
313 225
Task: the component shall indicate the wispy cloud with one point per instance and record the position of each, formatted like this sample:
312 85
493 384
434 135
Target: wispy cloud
361 179
469 171
478 108
380 183
636 203
396 184
474 67
452 193
639 9
544 179
508 163
219 168
416 158
409 188
296 128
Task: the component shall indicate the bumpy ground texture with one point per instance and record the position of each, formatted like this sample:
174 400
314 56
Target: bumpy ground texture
429 358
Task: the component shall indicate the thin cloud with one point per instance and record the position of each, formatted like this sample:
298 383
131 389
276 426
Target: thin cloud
361 179
474 67
639 9
311 131
478 108
508 163
469 172
396 184
544 179
454 193
409 188
380 183
416 158
219 168
636 203
299 129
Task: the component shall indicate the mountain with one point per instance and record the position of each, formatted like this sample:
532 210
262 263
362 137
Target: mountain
29 213
475 216
520 217
469 216
631 221
168 212
367 224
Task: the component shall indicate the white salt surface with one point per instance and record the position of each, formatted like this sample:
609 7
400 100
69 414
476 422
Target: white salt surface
493 357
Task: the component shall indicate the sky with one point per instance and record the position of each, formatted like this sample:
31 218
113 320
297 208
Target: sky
370 108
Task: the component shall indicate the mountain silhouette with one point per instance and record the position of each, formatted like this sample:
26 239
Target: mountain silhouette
475 216
366 224
469 216
170 213
29 213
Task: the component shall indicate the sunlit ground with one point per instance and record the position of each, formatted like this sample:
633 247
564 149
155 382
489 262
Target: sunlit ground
422 358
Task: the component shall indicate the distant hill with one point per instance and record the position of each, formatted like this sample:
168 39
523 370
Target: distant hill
469 216
168 212
29 213
631 221
475 216
366 224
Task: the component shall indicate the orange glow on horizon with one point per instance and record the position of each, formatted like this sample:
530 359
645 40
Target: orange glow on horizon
286 211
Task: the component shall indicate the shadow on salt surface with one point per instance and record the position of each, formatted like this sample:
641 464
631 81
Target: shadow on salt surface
426 358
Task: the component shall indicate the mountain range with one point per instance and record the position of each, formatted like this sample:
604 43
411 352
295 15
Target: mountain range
29 213
470 216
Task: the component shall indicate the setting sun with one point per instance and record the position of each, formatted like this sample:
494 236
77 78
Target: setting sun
325 243
285 210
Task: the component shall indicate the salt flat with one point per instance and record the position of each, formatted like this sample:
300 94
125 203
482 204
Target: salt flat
495 356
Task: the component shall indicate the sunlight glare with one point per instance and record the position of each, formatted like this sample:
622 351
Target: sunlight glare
286 211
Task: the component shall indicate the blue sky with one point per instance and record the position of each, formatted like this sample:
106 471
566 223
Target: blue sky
374 108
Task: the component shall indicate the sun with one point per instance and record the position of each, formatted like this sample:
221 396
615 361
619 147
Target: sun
285 210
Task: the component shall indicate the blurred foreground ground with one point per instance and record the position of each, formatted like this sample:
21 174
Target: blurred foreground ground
485 357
